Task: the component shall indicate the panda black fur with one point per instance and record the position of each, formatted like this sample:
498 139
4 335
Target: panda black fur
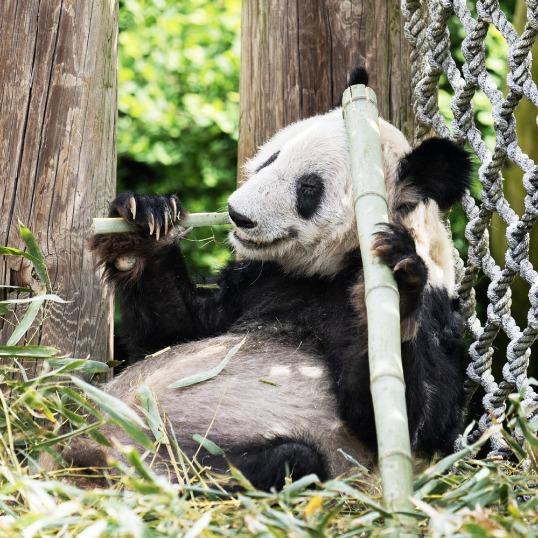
297 296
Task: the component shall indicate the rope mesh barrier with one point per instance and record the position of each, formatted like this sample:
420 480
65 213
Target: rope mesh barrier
427 30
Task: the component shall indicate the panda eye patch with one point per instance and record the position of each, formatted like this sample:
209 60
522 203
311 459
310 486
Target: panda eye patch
271 159
309 192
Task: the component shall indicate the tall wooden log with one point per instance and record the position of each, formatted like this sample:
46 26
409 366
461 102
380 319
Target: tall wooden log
58 67
295 58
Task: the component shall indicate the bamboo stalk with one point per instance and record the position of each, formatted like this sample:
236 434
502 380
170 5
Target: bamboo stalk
382 299
192 220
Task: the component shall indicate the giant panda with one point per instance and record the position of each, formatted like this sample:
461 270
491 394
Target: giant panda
295 294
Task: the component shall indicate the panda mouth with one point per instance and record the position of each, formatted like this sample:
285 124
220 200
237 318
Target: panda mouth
252 243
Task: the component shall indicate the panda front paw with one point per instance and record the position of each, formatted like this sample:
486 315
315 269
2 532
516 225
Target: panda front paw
152 214
395 246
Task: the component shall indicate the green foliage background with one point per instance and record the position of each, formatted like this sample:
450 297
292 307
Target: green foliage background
179 106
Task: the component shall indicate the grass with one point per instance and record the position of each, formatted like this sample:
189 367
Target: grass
458 496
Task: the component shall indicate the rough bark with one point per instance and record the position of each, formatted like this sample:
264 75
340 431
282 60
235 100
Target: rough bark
295 58
58 66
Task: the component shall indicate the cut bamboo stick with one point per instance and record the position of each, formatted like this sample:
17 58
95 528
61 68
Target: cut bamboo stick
382 299
192 220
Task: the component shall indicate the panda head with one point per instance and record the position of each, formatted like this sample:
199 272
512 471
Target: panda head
295 206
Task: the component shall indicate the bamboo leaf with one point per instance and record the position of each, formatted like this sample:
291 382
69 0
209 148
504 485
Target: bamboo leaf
36 256
133 457
210 446
424 483
240 478
28 352
16 289
10 251
342 488
26 322
84 366
298 486
79 399
155 422
58 439
38 298
200 525
118 411
354 462
209 374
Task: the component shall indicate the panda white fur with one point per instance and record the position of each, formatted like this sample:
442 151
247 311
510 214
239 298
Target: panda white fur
297 296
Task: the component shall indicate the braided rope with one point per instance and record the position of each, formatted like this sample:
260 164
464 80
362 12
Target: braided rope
427 31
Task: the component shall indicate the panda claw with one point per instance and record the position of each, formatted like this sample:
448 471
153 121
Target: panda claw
401 265
174 205
151 224
132 206
157 231
166 216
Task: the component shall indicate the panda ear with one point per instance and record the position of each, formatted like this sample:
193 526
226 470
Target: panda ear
438 169
359 74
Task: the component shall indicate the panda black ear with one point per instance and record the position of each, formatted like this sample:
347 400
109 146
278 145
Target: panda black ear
439 169
359 74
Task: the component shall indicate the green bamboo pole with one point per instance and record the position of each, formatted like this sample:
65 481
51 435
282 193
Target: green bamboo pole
382 299
192 220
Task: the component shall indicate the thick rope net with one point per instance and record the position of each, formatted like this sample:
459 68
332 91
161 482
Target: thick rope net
428 33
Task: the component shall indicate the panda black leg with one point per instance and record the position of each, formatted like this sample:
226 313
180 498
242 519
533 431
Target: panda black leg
395 246
267 466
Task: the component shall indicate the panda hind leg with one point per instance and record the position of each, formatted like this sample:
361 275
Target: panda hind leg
267 465
395 246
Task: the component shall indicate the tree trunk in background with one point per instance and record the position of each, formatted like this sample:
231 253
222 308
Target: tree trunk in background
296 56
58 67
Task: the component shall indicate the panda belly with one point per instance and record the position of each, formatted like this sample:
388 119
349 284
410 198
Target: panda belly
268 391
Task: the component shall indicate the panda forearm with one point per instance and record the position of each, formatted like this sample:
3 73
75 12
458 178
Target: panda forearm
160 304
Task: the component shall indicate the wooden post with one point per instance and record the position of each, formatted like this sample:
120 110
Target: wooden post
296 56
58 67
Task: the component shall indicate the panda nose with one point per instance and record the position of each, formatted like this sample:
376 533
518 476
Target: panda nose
240 220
